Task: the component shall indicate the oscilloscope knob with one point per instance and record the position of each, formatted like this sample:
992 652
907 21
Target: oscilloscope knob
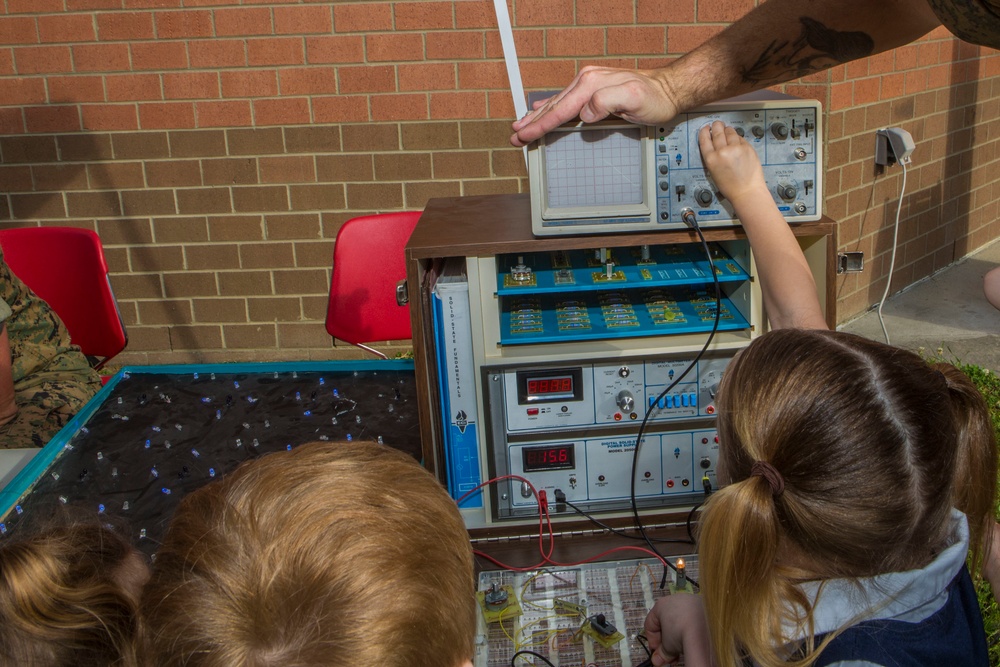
625 401
757 131
787 191
703 196
779 130
740 131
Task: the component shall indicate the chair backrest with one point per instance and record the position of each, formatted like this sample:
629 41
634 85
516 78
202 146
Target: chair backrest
65 266
368 261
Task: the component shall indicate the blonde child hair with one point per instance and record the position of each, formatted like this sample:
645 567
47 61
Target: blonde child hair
68 596
871 447
328 554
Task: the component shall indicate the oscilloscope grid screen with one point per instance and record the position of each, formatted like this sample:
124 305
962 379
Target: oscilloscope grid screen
600 167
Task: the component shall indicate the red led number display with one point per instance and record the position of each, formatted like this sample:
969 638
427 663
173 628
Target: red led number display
556 385
548 458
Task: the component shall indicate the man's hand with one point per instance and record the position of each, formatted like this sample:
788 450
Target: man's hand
597 92
676 626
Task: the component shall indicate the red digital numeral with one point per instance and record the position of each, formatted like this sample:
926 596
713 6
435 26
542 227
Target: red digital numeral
563 385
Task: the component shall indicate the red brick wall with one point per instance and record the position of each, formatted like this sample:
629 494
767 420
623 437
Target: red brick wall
218 146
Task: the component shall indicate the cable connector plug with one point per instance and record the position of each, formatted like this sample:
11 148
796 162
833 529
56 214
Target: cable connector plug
560 497
706 484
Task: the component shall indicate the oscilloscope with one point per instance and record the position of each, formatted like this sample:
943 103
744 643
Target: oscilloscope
615 176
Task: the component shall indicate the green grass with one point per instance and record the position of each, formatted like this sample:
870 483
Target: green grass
989 386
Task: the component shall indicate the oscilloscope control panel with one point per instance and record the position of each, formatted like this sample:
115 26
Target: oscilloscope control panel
785 139
572 428
613 176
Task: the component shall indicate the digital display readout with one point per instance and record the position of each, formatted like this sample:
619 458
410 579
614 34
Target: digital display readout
549 457
548 386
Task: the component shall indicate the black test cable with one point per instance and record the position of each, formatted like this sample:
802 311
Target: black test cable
621 533
689 218
534 655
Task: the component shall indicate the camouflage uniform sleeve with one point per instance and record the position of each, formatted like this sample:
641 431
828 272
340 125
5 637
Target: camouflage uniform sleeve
52 377
974 22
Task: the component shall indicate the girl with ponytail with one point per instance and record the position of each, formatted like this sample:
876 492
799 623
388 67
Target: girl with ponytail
856 479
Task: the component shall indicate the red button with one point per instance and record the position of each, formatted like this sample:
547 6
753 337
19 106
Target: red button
532 412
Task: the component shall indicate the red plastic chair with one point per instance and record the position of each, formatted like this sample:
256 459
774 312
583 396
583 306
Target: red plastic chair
65 266
368 262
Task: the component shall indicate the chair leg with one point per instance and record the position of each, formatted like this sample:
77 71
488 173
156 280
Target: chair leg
373 351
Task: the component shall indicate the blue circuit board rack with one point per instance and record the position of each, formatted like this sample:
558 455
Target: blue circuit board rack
616 293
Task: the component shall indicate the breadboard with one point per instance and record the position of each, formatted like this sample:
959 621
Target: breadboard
624 591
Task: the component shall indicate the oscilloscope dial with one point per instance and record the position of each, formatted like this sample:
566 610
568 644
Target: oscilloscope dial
787 191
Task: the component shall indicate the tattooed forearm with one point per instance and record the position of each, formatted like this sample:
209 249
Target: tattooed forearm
816 48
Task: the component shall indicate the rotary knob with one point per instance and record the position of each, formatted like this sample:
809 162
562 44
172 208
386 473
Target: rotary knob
625 401
787 191
779 130
739 131
703 196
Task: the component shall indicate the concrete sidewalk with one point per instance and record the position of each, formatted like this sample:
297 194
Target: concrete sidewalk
946 311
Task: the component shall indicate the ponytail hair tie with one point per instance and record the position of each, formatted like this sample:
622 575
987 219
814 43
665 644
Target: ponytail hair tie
770 473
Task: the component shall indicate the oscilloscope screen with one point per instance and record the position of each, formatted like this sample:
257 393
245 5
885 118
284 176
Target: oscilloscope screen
595 167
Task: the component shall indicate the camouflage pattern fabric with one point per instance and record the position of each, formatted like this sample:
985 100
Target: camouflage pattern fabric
52 378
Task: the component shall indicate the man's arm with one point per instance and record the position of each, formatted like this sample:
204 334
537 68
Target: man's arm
778 41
